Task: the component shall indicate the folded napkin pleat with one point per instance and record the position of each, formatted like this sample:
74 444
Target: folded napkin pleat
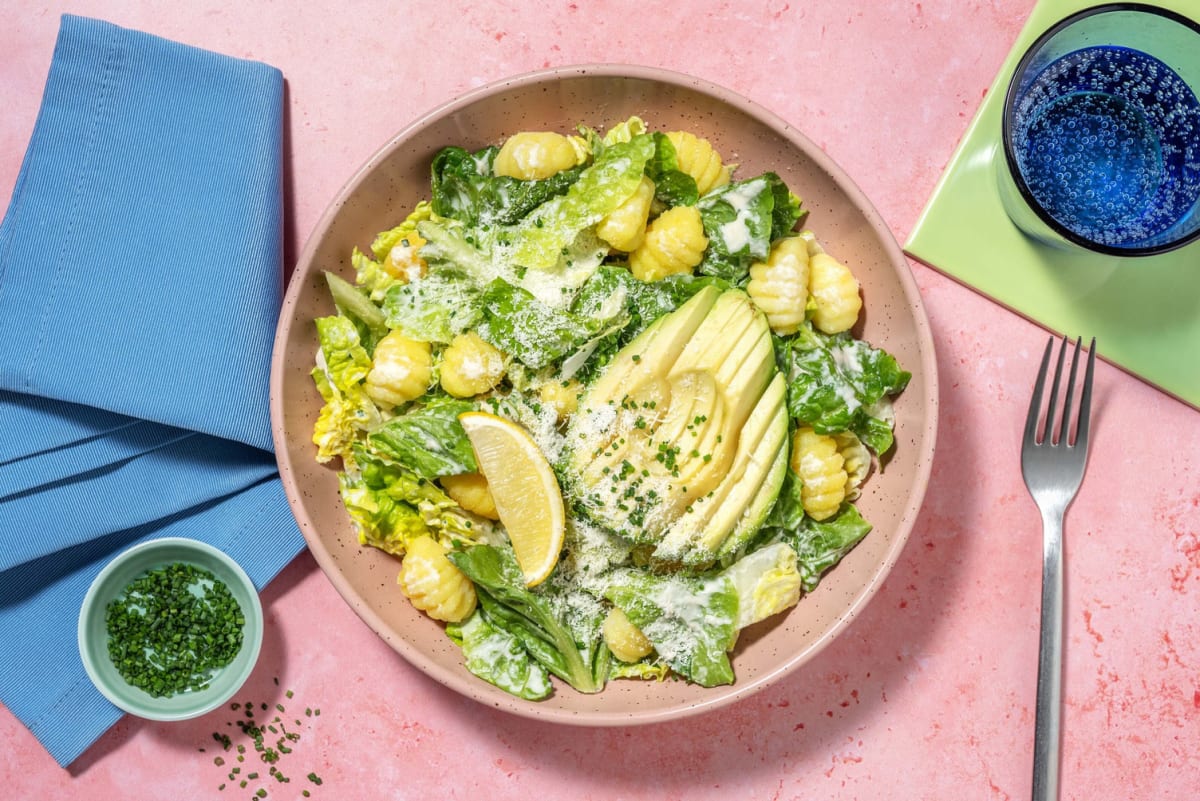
140 283
191 471
40 425
50 467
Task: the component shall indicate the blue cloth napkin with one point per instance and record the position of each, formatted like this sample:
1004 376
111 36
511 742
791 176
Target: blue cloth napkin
140 282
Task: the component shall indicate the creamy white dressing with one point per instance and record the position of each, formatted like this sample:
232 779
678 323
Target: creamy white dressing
843 357
736 232
848 396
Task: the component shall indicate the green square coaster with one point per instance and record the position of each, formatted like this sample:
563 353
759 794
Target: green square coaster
1144 313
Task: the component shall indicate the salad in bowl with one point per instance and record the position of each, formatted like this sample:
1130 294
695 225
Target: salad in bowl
601 398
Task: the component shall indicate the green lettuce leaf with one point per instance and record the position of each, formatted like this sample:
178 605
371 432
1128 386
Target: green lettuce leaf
691 621
498 657
672 187
354 304
523 613
464 188
819 545
876 430
767 581
533 333
342 365
625 131
480 257
539 239
343 358
788 510
836 383
786 210
429 441
741 219
647 669
391 506
435 308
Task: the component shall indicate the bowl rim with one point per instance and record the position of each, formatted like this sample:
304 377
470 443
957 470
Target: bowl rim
252 646
912 297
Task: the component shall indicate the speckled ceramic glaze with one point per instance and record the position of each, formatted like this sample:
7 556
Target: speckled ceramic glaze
386 188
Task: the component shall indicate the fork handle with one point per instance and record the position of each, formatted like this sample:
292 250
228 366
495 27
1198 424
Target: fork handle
1047 721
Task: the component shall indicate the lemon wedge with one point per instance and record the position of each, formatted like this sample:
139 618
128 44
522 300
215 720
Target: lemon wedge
526 492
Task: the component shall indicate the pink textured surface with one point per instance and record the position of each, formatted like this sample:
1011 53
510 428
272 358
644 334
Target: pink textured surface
929 693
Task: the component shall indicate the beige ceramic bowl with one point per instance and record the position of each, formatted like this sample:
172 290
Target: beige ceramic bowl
382 192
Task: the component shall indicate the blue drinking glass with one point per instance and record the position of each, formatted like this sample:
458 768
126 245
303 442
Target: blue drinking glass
1101 133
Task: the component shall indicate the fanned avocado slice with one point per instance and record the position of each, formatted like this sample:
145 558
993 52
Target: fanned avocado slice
725 519
681 416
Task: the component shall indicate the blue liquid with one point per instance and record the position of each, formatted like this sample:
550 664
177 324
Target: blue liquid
1107 140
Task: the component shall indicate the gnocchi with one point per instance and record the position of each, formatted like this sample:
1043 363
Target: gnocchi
563 396
433 584
856 460
401 370
674 244
822 471
835 293
625 227
625 640
403 262
696 157
470 491
534 155
471 366
779 286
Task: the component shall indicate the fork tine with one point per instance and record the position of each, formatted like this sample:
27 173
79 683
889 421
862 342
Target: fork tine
1064 435
1085 400
1035 403
1048 433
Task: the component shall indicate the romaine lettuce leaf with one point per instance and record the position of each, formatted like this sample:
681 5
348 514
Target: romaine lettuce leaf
353 304
741 219
834 382
672 187
625 131
435 308
344 360
558 286
788 510
464 188
341 419
531 332
540 238
523 613
498 657
454 249
875 427
821 545
767 582
786 210
691 621
391 506
647 669
429 441
481 256
342 364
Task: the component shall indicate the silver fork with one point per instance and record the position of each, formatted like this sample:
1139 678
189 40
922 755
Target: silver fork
1052 464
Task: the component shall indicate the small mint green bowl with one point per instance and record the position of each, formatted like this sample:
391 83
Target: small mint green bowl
111 582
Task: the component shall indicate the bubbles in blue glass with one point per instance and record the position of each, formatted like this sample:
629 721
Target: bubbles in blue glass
1107 140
